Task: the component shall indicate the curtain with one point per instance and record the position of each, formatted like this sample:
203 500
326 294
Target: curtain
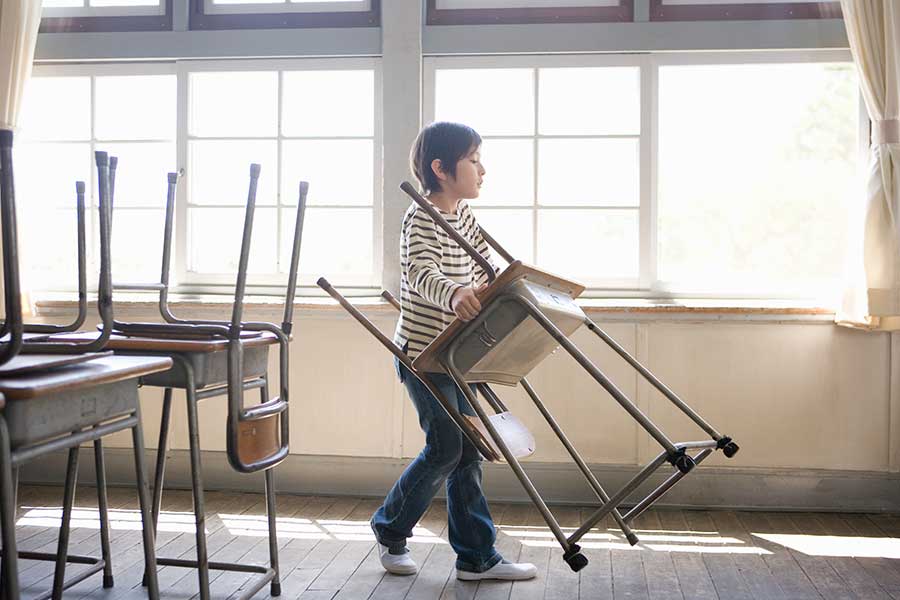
19 22
872 295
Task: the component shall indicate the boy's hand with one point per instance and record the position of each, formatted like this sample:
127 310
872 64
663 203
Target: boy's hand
465 303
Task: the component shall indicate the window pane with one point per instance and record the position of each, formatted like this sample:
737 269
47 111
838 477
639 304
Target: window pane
234 104
124 2
328 103
49 259
509 172
141 173
45 174
56 108
337 244
590 101
762 209
61 3
136 244
135 107
492 101
513 229
338 171
215 240
219 171
579 172
606 244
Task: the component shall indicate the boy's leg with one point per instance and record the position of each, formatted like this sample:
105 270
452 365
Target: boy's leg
412 494
471 528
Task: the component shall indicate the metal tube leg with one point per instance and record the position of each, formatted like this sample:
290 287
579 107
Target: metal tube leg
271 514
9 572
62 548
539 503
160 468
275 587
659 385
585 470
149 537
197 487
588 366
160 471
103 507
15 490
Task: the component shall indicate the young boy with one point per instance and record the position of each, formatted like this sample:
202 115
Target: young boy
439 282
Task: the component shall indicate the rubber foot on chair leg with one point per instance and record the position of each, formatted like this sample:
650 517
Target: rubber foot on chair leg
108 581
144 581
632 538
275 589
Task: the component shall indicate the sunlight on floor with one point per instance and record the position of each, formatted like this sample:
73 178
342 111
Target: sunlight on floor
836 545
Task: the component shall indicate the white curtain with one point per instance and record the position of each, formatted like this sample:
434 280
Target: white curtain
19 22
872 296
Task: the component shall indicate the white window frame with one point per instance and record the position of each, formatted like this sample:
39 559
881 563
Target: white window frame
192 282
104 11
647 285
91 199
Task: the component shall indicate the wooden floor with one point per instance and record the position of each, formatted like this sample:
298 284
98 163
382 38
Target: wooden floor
327 551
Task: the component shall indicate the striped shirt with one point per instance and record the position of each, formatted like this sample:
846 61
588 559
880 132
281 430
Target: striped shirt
433 266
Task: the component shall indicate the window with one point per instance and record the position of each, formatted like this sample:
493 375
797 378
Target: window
301 120
269 14
106 15
55 147
469 12
679 174
313 120
562 150
735 10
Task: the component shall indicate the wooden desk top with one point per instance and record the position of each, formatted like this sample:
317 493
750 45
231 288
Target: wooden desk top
168 344
427 361
108 369
29 363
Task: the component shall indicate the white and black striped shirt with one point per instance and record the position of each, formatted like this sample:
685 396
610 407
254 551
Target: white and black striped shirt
433 266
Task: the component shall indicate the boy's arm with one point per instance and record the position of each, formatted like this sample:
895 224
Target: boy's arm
423 259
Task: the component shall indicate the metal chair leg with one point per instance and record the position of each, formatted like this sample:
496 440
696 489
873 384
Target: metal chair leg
9 571
273 535
197 488
160 467
62 548
103 507
149 537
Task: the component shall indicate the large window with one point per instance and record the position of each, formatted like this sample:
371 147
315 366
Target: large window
105 15
309 120
69 113
697 175
273 14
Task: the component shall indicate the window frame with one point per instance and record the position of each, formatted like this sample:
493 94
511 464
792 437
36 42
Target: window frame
744 11
91 199
621 13
203 17
107 19
647 285
191 282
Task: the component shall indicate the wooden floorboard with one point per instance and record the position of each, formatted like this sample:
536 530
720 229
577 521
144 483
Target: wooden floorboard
327 551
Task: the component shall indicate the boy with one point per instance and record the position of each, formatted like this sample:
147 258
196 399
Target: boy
440 282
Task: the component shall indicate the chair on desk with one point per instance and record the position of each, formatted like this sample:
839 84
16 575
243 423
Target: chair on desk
526 315
59 394
216 358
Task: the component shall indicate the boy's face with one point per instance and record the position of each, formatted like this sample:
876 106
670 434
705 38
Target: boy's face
469 175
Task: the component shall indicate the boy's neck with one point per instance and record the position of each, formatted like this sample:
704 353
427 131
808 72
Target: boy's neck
445 202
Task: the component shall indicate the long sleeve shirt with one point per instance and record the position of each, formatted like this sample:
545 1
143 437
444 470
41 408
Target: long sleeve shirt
433 266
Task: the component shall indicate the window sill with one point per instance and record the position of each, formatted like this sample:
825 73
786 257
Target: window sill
58 305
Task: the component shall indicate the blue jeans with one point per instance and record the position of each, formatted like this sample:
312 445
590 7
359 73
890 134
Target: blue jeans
448 455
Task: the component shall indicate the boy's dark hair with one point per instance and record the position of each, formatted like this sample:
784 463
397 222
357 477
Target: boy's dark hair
445 141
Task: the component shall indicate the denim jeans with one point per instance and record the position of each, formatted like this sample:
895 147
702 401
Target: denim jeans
448 455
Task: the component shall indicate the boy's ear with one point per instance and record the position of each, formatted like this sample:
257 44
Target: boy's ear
438 169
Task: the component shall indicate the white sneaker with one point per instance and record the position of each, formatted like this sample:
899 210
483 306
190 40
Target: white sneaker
506 571
398 564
